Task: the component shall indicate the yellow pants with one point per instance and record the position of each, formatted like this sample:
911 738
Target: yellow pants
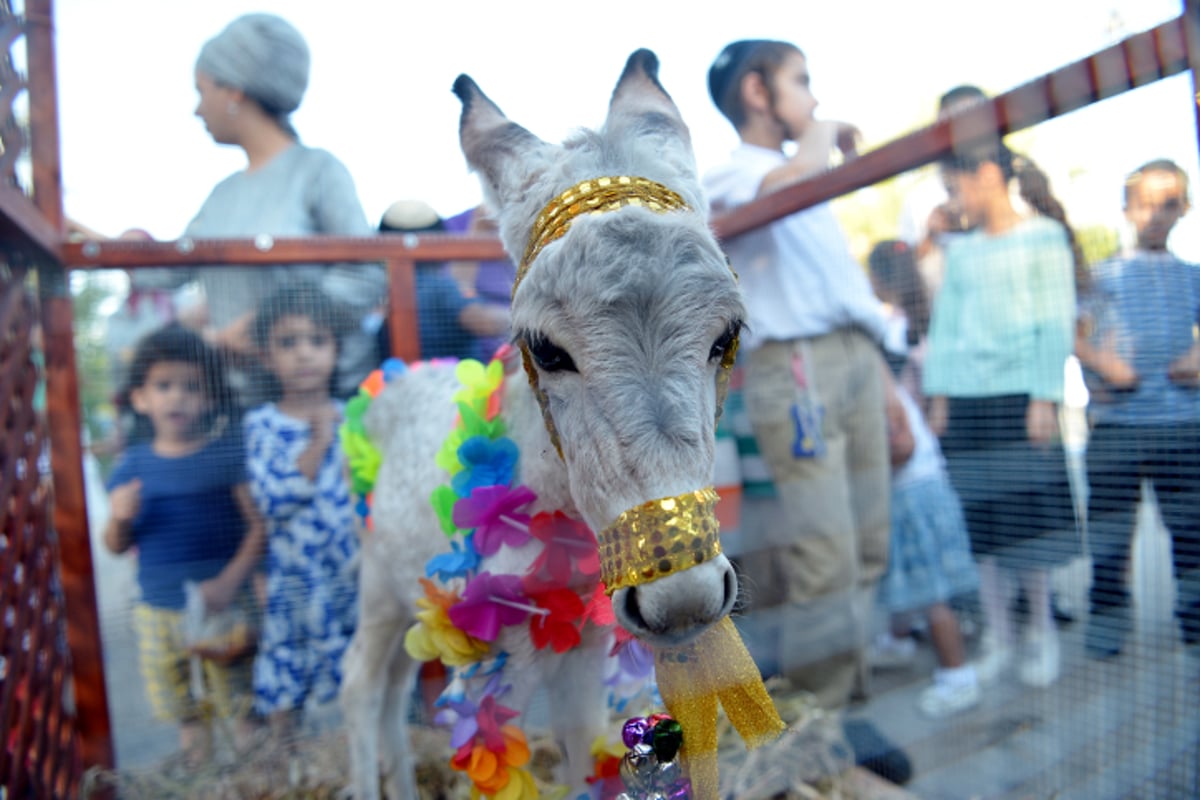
165 667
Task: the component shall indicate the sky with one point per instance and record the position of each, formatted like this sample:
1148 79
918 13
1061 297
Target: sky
134 155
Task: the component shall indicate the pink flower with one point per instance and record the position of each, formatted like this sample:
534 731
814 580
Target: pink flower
492 512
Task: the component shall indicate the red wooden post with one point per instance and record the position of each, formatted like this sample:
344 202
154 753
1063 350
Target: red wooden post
65 422
402 309
43 113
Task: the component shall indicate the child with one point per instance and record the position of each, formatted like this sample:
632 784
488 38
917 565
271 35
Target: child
930 556
297 478
929 562
182 500
812 346
813 384
998 341
1137 339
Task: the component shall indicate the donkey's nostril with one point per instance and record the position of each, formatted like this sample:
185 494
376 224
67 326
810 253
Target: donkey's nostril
632 612
731 589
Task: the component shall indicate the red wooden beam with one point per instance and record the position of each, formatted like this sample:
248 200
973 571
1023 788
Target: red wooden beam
282 250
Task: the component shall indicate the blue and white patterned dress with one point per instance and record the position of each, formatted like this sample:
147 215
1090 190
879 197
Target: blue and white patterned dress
312 564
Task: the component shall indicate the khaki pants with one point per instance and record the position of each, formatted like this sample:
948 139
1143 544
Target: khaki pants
811 575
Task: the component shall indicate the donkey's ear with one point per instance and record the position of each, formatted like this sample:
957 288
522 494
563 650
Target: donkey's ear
509 158
640 106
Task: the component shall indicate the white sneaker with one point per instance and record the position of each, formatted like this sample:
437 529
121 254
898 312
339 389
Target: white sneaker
993 659
1042 661
889 652
944 698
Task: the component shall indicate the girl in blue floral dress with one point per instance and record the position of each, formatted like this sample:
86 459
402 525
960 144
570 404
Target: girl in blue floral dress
298 480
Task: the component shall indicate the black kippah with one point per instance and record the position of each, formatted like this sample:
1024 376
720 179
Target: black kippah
727 65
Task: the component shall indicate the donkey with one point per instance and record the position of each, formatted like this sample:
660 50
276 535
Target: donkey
627 323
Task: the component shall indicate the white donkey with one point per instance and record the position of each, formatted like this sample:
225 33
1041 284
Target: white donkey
627 322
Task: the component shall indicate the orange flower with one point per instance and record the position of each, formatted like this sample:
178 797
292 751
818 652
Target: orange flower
373 383
516 749
438 597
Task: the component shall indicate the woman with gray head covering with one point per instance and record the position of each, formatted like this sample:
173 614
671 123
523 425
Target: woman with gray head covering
250 77
265 58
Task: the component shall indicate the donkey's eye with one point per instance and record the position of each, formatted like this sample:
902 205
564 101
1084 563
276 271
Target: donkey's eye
725 341
550 357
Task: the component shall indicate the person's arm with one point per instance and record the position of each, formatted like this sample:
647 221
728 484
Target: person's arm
466 273
938 415
901 443
235 337
322 428
813 153
333 198
337 211
124 502
485 319
219 591
1104 361
1185 370
938 369
1050 277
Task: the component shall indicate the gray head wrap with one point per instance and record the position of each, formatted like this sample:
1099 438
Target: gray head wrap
263 56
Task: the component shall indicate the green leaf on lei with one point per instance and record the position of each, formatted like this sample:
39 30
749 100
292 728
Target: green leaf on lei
355 408
447 455
479 382
362 458
443 499
474 423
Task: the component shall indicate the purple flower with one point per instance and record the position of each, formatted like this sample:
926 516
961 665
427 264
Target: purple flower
635 662
492 512
488 603
464 711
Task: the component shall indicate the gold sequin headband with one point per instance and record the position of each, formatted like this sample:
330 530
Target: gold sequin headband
658 538
594 196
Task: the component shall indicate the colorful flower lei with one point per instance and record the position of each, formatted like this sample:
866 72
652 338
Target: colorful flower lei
481 510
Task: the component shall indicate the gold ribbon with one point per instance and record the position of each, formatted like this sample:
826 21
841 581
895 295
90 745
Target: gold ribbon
692 679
